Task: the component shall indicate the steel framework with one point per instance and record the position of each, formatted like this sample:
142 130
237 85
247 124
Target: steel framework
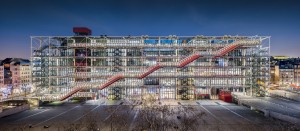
170 67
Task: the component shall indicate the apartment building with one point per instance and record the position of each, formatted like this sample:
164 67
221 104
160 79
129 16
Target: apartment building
16 73
285 71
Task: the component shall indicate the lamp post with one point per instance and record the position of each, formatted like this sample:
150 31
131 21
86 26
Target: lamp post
282 78
25 90
297 75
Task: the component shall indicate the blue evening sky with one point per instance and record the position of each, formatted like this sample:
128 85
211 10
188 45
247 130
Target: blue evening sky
20 19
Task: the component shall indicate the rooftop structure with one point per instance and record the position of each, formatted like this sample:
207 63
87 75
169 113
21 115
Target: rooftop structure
82 31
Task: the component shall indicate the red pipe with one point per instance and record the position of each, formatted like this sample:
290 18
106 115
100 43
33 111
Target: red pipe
70 94
188 60
150 70
111 81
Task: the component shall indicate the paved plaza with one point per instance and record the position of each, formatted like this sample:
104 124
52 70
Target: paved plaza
218 115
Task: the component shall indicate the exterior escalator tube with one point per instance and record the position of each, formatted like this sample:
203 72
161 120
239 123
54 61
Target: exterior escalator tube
226 50
111 81
149 71
70 94
188 60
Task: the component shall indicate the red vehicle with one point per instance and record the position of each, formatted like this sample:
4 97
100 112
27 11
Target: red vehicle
225 95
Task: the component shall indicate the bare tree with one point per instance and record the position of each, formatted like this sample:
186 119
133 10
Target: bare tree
188 118
154 116
275 124
90 122
118 117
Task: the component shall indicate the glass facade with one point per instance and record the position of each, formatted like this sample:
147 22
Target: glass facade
171 67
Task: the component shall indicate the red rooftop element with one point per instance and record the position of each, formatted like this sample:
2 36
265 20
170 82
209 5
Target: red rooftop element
82 31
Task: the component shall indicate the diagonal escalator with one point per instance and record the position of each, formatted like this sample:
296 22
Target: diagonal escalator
70 94
111 80
149 71
152 69
188 60
226 49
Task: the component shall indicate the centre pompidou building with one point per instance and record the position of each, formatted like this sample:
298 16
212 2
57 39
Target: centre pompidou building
168 67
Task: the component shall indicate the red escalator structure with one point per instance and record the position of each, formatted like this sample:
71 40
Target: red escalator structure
181 64
150 70
188 60
111 80
294 86
226 49
70 94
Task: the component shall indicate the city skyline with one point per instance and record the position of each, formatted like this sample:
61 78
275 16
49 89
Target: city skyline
278 19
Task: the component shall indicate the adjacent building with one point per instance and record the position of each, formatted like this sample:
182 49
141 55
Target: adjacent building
21 73
285 70
15 73
297 73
